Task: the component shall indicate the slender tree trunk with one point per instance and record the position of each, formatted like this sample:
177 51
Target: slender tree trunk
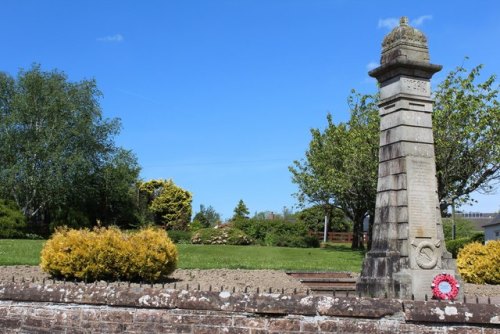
357 233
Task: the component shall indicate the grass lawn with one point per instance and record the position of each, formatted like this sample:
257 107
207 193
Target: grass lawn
18 251
334 258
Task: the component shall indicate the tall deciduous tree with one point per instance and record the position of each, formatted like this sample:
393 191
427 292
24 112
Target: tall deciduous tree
169 204
467 135
54 143
340 167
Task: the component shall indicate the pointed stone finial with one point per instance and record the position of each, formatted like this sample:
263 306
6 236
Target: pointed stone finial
403 21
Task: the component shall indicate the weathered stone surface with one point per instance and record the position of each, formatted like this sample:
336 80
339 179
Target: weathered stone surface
392 182
392 214
329 315
406 133
391 198
407 226
404 149
452 312
392 167
411 109
405 85
406 117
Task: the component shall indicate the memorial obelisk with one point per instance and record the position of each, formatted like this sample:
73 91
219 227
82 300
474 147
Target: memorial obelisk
408 248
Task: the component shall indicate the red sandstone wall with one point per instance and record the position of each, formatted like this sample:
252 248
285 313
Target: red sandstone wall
70 308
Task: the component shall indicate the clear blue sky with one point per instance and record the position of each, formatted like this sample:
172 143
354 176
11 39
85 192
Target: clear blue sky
220 95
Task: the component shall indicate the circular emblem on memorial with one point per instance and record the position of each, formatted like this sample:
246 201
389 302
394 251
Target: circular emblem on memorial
426 255
445 286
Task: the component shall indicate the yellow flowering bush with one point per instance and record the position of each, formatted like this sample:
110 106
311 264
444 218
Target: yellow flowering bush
109 254
478 263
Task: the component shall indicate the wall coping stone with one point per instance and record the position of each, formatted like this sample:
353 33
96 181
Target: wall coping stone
275 304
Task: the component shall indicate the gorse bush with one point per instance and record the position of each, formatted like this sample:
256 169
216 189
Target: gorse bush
478 263
109 254
221 236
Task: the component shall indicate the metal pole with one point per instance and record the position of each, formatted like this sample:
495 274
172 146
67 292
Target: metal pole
325 233
453 226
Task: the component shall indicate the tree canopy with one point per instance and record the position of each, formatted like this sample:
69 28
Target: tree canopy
240 211
207 216
57 152
467 135
340 165
169 204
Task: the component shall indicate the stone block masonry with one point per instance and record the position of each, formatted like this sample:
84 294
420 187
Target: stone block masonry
83 308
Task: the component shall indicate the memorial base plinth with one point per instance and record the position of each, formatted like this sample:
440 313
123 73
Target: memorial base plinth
382 277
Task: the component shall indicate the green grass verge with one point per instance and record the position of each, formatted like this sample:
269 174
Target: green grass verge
332 258
17 251
335 258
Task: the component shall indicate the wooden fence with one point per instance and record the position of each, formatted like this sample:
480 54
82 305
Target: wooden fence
338 237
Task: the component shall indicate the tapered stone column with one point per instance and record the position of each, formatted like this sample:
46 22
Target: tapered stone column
408 247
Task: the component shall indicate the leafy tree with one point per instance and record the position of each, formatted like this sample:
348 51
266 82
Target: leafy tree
463 228
117 190
54 144
12 220
240 211
340 168
467 135
314 218
169 204
207 217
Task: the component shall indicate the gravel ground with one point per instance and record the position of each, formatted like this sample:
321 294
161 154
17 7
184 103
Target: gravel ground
216 279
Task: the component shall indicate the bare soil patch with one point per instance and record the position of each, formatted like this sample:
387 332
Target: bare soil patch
226 279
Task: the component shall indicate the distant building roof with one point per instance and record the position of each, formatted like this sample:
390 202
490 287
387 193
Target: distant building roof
495 221
478 219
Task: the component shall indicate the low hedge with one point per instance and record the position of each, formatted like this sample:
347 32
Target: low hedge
221 236
454 246
180 237
109 254
279 233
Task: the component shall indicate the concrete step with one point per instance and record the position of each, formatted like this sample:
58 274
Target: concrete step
326 282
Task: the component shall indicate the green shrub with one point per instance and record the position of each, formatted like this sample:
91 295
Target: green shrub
69 218
454 246
221 236
478 237
478 263
12 220
463 228
109 254
180 237
277 232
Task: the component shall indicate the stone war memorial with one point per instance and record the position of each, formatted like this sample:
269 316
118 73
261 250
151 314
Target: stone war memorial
408 252
408 248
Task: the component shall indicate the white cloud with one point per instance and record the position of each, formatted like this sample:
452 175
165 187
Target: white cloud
420 20
371 65
392 22
388 23
117 38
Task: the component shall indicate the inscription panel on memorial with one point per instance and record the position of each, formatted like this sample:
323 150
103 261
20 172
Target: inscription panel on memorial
415 86
422 197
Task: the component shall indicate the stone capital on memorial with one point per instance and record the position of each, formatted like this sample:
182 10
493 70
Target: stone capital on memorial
404 52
